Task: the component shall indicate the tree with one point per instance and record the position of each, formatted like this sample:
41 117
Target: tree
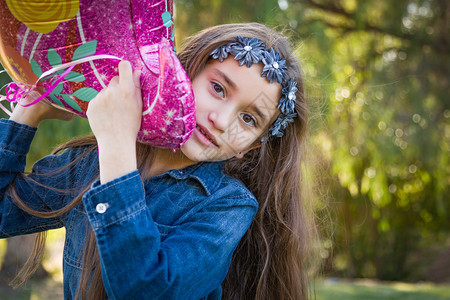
383 66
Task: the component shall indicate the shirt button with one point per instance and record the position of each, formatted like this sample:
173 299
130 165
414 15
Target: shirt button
101 207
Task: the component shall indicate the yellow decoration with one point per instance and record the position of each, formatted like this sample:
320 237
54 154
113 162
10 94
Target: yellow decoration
43 15
17 66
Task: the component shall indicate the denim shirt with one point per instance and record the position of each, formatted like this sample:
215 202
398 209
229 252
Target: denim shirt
169 237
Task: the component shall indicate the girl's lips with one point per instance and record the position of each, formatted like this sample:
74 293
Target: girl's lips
205 135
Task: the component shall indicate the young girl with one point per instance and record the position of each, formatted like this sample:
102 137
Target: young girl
221 217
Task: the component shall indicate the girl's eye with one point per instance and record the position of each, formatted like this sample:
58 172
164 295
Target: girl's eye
218 89
249 120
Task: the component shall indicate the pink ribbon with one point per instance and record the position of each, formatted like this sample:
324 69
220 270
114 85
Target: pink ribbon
15 92
50 88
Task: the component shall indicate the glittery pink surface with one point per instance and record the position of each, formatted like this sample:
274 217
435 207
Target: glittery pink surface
132 30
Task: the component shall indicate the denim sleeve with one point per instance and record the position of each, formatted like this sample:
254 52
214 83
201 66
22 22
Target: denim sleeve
190 263
15 140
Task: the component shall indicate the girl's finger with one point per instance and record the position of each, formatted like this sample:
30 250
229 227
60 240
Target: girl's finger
137 79
125 75
114 81
137 85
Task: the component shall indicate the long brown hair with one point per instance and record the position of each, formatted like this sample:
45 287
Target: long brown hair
271 261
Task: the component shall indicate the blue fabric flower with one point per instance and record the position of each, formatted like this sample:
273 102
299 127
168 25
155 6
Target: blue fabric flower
221 52
248 51
283 120
287 101
274 66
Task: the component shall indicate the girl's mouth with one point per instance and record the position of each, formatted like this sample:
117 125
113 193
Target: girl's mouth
207 135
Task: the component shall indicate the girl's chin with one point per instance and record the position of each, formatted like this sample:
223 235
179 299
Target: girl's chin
199 153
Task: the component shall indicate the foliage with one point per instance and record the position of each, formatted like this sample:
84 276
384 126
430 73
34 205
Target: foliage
378 77
387 133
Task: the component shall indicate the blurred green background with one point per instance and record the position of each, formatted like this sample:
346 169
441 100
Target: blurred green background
377 74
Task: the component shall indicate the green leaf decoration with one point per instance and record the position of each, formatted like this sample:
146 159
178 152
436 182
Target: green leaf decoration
56 100
58 89
53 57
72 103
85 49
36 68
75 77
85 93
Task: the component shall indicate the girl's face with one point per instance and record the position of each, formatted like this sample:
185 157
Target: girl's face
234 107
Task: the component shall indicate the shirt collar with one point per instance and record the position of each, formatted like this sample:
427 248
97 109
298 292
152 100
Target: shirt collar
208 174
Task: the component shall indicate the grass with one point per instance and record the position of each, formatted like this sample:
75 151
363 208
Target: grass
362 289
329 289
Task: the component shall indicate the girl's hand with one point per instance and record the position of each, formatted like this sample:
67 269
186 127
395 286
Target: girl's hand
115 117
34 114
115 113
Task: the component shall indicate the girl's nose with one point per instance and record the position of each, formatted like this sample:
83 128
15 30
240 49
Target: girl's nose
217 122
220 118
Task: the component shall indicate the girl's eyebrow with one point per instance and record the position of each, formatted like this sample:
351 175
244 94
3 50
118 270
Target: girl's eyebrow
259 113
226 79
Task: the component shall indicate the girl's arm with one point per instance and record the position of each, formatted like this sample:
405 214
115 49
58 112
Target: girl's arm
16 136
142 260
115 118
33 189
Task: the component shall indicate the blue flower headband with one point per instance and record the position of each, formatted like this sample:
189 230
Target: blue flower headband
251 51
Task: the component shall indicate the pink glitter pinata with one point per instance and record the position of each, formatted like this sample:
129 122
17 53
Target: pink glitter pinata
91 36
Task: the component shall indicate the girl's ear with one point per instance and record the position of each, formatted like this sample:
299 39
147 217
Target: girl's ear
242 153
